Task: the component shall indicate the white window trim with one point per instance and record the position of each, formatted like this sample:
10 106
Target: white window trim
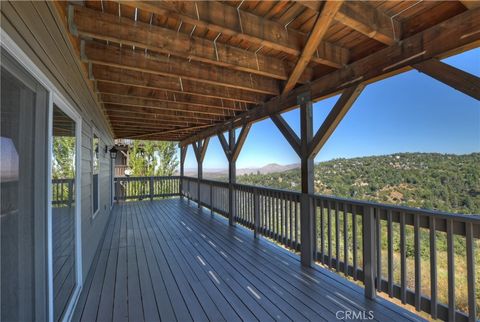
95 133
55 97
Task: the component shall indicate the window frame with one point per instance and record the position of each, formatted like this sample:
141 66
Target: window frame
95 135
54 96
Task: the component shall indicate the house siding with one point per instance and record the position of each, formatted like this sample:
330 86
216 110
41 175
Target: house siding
38 29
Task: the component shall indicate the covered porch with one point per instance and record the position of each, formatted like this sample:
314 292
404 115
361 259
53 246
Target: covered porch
169 260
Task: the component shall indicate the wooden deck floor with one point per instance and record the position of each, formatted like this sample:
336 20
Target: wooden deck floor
166 260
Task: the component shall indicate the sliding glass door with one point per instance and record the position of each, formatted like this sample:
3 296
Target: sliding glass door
64 201
24 186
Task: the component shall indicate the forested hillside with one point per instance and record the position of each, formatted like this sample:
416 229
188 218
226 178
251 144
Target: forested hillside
426 180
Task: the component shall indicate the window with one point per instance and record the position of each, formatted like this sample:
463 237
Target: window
95 171
23 181
64 206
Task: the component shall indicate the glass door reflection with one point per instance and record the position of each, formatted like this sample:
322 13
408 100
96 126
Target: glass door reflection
63 211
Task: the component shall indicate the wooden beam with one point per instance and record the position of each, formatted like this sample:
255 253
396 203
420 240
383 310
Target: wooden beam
460 80
366 19
173 85
98 25
203 149
324 19
162 105
290 135
146 121
455 35
126 58
240 141
337 113
471 4
139 117
230 21
161 113
169 131
122 90
225 146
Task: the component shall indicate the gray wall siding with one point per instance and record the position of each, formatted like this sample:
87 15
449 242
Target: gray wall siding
37 29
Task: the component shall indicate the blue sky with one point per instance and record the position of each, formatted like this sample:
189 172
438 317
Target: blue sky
410 112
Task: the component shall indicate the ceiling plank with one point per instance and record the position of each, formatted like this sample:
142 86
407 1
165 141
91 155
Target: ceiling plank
366 19
452 36
95 24
174 85
175 67
230 21
460 80
324 20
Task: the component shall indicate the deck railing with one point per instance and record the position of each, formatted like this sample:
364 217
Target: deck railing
146 187
63 192
390 249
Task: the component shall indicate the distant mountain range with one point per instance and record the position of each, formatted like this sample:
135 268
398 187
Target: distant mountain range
269 168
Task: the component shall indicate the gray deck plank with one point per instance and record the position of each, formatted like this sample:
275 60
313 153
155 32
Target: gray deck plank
167 260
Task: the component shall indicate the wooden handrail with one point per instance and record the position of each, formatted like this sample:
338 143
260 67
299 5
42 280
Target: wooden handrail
275 213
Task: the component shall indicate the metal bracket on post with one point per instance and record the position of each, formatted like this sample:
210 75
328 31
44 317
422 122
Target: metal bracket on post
304 98
369 251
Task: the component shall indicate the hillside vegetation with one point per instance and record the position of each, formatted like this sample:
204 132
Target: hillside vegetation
444 182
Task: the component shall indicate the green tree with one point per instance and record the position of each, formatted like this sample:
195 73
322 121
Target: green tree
153 158
63 163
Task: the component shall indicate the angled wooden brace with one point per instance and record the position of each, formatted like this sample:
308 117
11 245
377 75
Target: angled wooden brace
287 132
337 113
460 80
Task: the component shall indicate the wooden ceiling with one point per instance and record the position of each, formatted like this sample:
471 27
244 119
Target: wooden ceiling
168 70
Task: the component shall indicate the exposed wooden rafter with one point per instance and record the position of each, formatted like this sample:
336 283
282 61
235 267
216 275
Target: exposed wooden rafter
173 85
230 21
320 27
98 25
366 19
123 90
126 58
451 36
460 80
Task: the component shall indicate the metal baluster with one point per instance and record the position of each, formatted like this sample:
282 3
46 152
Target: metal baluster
378 239
390 253
345 238
329 234
451 271
322 241
354 239
433 267
337 237
403 260
418 275
471 272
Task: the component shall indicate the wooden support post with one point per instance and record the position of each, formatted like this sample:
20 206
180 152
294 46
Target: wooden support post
200 148
211 199
183 153
199 178
151 186
369 251
232 177
306 207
